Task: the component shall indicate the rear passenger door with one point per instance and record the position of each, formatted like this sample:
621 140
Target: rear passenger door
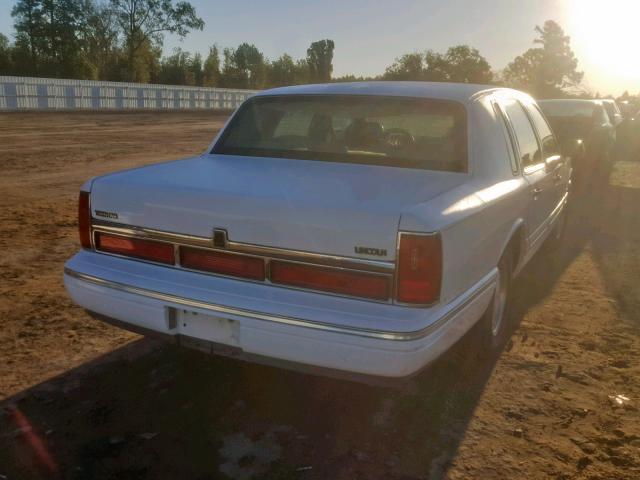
540 183
556 166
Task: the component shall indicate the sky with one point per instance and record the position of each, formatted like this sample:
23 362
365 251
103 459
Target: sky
370 34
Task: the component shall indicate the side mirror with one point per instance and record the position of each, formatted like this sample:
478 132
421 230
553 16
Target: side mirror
552 162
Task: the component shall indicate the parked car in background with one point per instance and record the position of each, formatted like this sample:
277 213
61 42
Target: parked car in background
352 229
613 111
585 132
629 110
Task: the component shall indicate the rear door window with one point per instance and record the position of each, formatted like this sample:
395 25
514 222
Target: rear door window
550 147
528 146
511 141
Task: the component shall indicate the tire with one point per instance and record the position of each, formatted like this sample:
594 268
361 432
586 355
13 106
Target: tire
495 325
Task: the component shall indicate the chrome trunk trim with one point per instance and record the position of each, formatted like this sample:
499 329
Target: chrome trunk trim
247 248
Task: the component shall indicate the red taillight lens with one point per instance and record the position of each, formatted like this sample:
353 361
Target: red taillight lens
223 263
419 268
136 247
331 280
84 220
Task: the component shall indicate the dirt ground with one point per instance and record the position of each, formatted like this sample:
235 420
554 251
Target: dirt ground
83 400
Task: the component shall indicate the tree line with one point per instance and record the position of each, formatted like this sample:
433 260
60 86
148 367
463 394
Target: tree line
122 40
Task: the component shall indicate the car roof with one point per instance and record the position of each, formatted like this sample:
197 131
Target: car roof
570 100
461 92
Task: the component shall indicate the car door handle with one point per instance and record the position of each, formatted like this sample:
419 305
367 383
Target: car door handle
537 190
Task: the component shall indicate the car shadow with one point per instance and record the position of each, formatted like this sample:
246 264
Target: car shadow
152 410
615 236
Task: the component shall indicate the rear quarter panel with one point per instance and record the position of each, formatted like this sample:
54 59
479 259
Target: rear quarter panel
478 218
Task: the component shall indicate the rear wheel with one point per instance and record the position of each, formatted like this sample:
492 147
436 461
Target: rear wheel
495 323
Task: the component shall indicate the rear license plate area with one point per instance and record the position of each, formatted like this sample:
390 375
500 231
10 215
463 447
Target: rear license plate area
209 328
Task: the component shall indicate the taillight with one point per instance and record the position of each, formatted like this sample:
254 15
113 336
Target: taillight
419 268
332 280
222 263
136 247
84 219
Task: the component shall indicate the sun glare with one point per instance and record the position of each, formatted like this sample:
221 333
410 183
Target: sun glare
606 36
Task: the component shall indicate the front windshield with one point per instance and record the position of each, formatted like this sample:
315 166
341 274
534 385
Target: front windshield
375 130
567 108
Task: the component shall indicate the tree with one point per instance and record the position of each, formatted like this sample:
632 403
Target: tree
211 68
178 69
146 21
63 19
244 67
5 56
251 64
458 64
548 70
230 75
303 72
48 37
100 39
282 72
195 71
146 64
409 66
320 60
465 64
28 25
351 78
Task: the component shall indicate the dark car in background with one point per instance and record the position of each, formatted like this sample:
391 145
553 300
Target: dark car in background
613 111
585 131
629 110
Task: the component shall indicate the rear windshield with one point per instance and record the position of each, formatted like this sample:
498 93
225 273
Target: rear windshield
567 108
373 130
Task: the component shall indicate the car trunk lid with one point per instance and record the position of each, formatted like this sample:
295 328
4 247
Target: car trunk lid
331 208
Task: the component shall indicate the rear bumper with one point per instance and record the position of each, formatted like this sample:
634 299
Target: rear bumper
267 322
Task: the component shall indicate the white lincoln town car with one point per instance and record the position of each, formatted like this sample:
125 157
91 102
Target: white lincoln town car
353 229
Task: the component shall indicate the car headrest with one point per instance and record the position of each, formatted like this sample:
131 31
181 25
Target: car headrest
363 134
320 129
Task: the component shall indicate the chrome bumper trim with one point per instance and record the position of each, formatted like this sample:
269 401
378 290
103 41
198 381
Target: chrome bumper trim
483 285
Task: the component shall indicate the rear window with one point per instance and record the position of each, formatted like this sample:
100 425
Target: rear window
567 108
373 130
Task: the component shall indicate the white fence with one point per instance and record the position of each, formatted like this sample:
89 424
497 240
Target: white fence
34 94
